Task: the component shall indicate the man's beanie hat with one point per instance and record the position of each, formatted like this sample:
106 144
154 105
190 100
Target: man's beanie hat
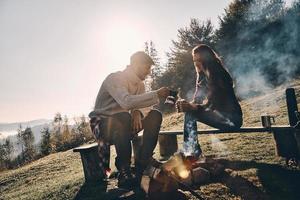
141 57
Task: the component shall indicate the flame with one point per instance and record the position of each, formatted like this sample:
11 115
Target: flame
176 165
173 162
183 173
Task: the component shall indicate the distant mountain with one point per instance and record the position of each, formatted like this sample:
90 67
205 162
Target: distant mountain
8 129
15 125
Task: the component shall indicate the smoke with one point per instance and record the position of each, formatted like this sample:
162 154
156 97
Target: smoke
218 146
190 145
251 84
266 50
190 94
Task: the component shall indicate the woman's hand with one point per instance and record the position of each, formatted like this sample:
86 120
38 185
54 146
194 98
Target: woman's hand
184 106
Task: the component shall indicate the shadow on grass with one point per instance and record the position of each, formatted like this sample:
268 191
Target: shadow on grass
277 181
91 191
94 191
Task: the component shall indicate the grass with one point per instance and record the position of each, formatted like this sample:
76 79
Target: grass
59 174
253 171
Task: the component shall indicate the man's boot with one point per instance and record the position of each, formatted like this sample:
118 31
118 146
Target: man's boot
126 179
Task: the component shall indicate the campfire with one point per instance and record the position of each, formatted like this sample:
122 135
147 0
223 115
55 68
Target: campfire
179 172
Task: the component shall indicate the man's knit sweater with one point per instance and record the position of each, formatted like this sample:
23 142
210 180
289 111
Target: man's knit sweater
121 92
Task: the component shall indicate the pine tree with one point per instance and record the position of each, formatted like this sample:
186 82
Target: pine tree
260 37
2 155
81 131
45 145
19 139
66 135
6 150
29 152
9 149
156 70
180 72
57 139
88 135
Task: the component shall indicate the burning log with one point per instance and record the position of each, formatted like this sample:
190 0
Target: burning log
161 182
186 170
155 182
179 172
186 187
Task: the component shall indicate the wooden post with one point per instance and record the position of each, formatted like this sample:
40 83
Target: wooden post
286 144
291 103
90 161
292 107
167 145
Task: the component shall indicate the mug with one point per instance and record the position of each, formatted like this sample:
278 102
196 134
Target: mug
267 121
171 99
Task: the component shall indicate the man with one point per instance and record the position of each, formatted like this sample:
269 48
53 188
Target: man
120 96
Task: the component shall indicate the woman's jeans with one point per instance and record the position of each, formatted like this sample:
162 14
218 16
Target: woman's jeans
216 119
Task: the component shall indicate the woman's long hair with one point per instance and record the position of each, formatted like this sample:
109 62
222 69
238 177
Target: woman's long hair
212 63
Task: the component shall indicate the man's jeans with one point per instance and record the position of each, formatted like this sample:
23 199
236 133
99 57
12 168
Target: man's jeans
214 118
117 130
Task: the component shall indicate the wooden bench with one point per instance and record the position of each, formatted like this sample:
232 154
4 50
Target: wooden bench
286 145
90 162
240 130
168 140
167 146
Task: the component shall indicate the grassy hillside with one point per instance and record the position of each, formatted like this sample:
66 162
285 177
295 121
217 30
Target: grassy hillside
253 171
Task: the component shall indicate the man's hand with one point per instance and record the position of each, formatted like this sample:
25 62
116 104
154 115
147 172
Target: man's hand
163 92
184 106
136 121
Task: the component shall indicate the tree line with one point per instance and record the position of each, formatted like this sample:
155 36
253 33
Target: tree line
258 41
59 136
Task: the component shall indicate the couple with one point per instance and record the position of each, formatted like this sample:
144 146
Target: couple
116 118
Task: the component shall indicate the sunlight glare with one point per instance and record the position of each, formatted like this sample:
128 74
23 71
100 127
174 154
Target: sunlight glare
121 40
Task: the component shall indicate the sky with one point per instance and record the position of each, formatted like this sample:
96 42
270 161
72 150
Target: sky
54 54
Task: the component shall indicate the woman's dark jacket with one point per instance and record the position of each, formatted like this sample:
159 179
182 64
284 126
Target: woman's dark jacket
219 93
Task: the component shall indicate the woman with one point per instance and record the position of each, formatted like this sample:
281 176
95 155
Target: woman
214 103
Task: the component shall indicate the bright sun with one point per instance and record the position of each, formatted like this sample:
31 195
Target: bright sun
121 40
